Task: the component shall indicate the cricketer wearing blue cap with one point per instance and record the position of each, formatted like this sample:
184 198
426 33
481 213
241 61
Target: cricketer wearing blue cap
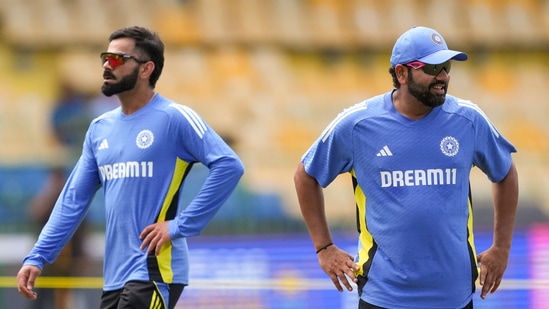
409 152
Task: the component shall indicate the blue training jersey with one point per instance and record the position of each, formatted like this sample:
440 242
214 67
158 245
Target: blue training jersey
140 161
411 184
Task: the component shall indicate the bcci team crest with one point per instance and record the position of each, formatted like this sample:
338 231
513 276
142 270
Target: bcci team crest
449 146
144 139
436 38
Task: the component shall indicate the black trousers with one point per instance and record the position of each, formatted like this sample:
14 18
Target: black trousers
364 305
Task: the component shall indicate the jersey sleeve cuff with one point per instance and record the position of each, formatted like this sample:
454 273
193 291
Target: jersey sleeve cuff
173 229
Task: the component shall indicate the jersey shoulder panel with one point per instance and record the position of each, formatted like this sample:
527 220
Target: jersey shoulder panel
350 116
469 110
182 115
103 122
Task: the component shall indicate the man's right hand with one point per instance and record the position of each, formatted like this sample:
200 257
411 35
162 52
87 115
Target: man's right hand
339 265
25 280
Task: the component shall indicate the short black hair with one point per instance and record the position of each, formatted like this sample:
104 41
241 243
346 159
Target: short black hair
148 43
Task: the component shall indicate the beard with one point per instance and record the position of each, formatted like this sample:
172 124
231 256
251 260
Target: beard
423 95
126 83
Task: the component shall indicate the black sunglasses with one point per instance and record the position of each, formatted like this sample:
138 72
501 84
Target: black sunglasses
431 69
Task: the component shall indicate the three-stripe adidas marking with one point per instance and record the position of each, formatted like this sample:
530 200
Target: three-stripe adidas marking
385 152
104 144
194 120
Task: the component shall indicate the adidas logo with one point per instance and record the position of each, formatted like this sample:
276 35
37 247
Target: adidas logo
104 144
385 152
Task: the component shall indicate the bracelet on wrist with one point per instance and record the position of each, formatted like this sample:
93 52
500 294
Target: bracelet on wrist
324 247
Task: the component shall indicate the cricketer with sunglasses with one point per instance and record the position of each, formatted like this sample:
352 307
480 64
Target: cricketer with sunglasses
409 153
140 155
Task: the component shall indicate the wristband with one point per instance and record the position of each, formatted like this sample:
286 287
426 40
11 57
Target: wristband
324 248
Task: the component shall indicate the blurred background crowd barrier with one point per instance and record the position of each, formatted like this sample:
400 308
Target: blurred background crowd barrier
268 75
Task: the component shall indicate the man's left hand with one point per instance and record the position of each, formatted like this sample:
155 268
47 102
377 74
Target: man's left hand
154 237
492 263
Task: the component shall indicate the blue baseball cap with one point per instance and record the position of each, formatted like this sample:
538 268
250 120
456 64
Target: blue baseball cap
425 45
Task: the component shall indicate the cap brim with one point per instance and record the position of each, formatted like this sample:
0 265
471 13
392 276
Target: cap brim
443 56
